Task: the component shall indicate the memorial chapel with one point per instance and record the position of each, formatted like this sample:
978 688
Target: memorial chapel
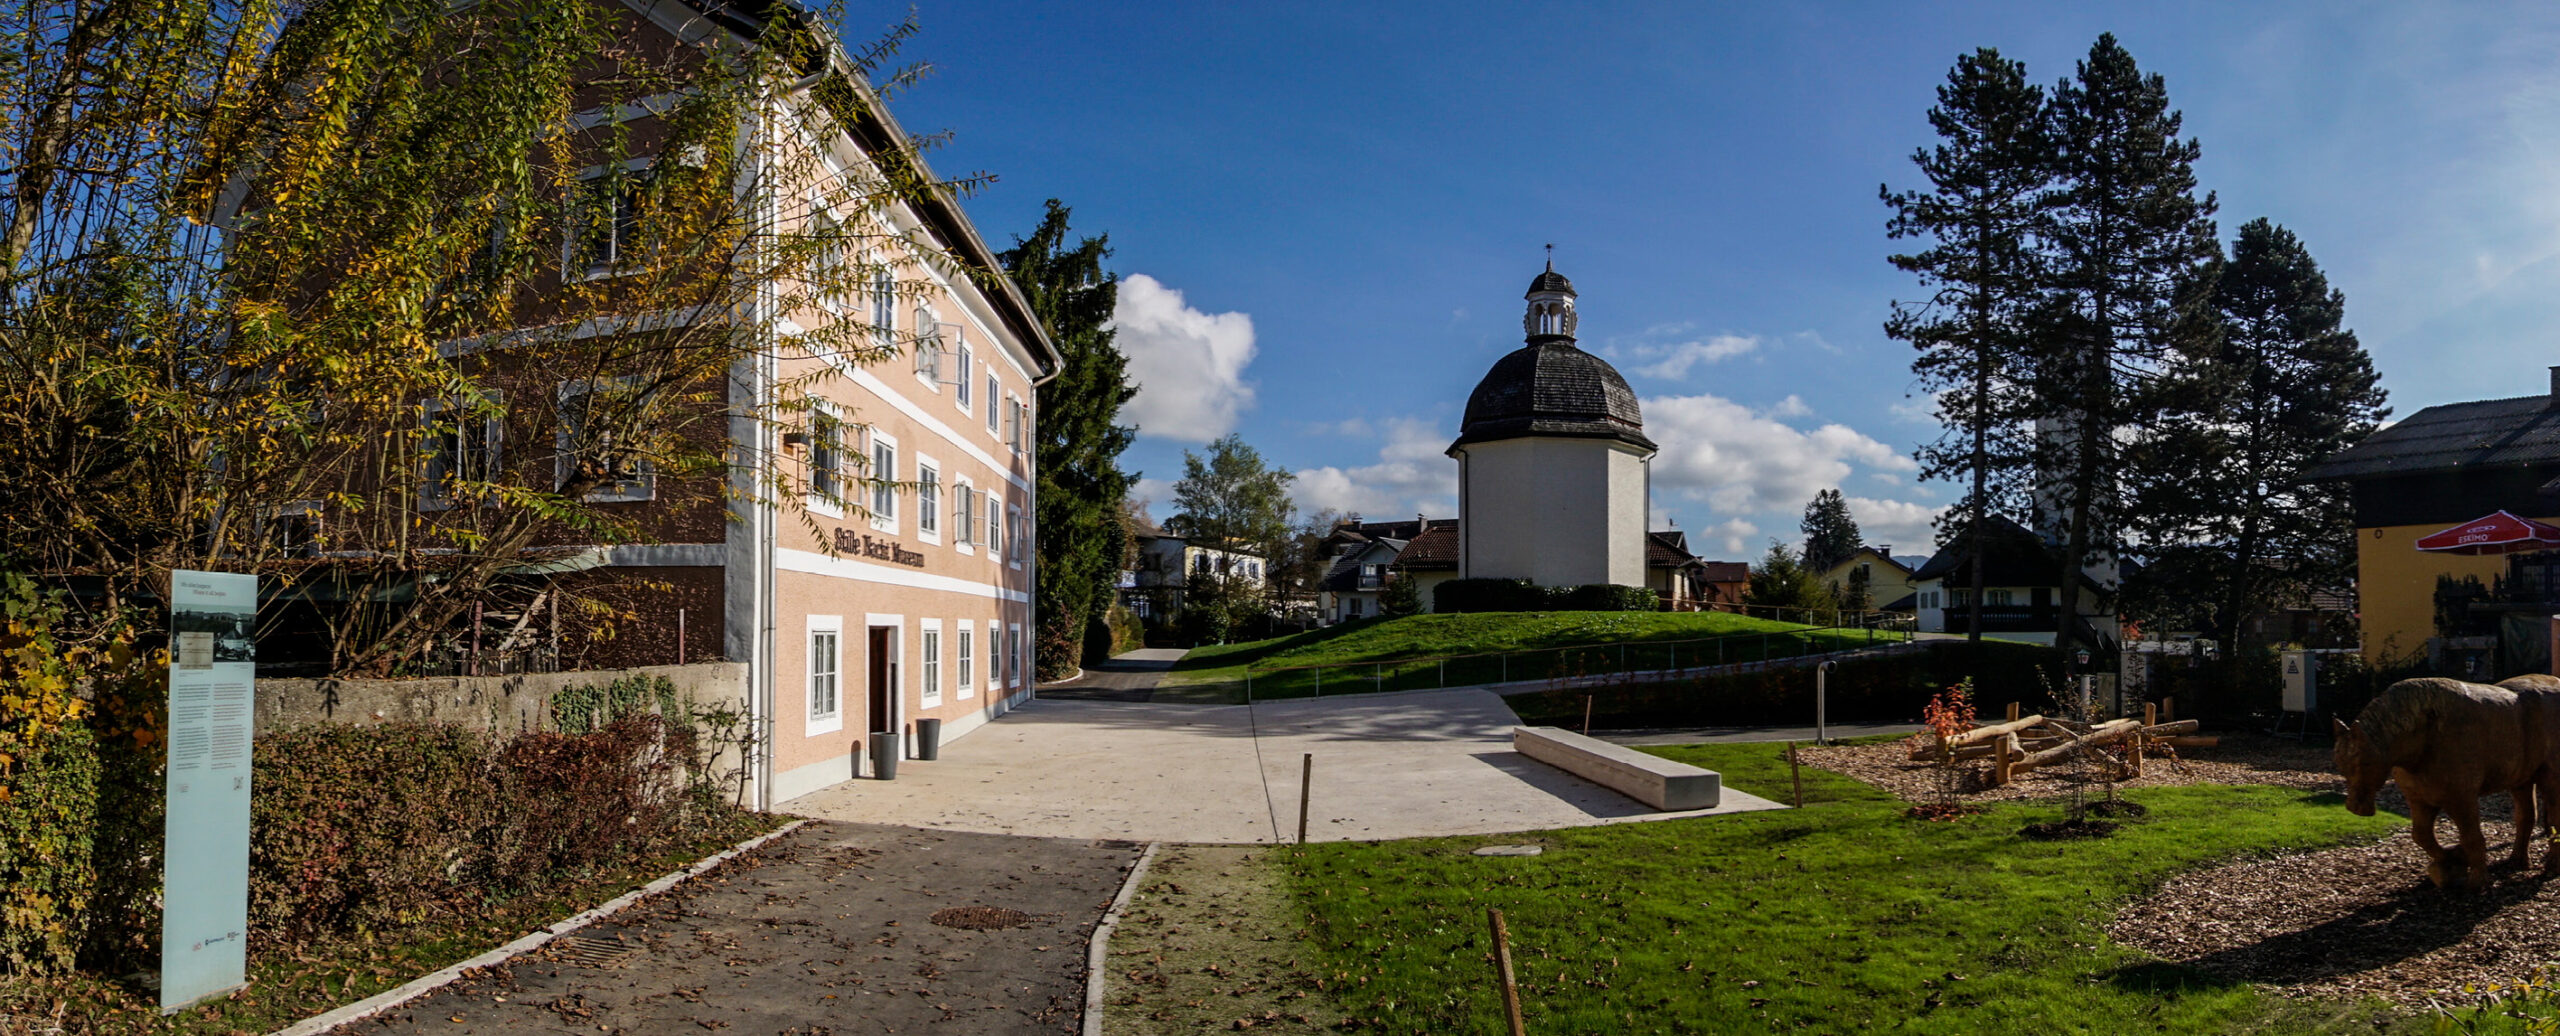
1554 470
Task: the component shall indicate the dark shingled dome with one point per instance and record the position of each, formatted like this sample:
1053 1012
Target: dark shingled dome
1550 281
1552 388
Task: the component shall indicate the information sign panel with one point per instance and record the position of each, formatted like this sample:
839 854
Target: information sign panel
204 924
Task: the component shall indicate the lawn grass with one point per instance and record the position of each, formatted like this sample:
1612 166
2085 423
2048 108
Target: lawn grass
1844 916
1630 641
287 985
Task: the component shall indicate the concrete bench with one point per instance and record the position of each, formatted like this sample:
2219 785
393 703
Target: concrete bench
1650 779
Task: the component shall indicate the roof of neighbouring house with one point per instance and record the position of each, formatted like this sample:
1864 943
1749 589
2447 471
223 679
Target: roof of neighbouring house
2016 556
1667 549
1728 571
1436 549
2487 433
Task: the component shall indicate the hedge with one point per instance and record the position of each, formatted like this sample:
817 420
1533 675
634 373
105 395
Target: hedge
1521 595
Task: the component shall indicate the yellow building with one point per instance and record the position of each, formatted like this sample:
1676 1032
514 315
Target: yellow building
2441 467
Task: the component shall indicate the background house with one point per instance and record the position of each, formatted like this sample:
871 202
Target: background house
1165 565
2021 581
1889 579
2438 468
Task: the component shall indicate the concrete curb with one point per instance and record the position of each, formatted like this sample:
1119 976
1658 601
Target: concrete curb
1095 965
384 1001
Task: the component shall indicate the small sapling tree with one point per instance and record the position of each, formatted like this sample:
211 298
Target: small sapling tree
1949 713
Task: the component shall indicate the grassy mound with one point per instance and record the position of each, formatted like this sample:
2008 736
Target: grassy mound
1629 640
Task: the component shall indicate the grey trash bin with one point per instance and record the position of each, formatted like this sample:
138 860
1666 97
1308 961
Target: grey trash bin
884 755
928 739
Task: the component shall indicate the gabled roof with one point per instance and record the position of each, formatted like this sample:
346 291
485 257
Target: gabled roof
1727 571
1435 550
2489 433
2014 556
1667 549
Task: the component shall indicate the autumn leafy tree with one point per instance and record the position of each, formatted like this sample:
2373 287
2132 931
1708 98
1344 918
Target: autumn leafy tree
1233 499
1830 533
2129 254
1987 179
1081 439
2234 524
291 288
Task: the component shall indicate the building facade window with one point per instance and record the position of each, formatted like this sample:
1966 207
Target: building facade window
462 446
992 386
932 634
594 445
928 498
964 513
826 462
884 490
826 668
995 527
604 221
884 306
928 349
960 387
965 657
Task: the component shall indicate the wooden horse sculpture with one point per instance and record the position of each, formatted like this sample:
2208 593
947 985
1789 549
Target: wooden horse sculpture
2448 743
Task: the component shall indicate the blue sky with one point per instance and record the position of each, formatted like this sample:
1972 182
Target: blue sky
1326 213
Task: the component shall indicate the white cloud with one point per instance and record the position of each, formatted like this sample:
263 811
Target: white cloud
1157 494
1736 461
1413 475
1916 409
1738 539
1906 526
1673 361
1188 365
1792 406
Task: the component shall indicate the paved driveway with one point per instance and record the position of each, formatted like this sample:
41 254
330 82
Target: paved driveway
1404 765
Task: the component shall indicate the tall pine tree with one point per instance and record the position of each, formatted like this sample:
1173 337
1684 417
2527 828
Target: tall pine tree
1080 437
1987 179
2130 253
2288 385
1830 534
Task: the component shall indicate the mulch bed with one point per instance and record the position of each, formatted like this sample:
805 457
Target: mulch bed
2244 758
2355 921
2348 922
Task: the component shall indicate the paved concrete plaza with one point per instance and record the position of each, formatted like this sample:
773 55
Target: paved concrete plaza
1404 765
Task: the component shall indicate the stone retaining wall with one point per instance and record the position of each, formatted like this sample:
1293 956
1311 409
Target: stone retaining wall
500 704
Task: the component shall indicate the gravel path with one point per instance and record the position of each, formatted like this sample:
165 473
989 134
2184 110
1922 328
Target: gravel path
831 929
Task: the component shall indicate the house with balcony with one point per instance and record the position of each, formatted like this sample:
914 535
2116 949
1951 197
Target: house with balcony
1167 563
2021 595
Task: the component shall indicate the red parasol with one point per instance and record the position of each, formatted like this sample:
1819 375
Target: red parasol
2500 533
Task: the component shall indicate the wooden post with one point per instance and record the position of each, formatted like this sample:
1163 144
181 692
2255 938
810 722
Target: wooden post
1795 774
1502 961
1306 779
679 636
2169 709
2000 757
2013 712
2150 714
1586 715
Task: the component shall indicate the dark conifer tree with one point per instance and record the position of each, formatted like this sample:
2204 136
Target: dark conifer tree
2288 385
2130 254
1080 437
1987 178
1830 533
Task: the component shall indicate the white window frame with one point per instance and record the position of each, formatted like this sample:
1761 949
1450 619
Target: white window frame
643 487
964 658
884 302
432 495
960 394
827 264
822 419
928 499
830 720
1013 421
929 675
1013 530
995 386
929 352
574 267
884 495
1013 655
964 515
995 657
995 527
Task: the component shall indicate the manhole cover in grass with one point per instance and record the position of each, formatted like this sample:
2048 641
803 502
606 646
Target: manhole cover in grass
980 918
1509 850
594 952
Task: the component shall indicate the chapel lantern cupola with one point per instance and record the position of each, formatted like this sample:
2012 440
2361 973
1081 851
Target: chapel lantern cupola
1550 306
